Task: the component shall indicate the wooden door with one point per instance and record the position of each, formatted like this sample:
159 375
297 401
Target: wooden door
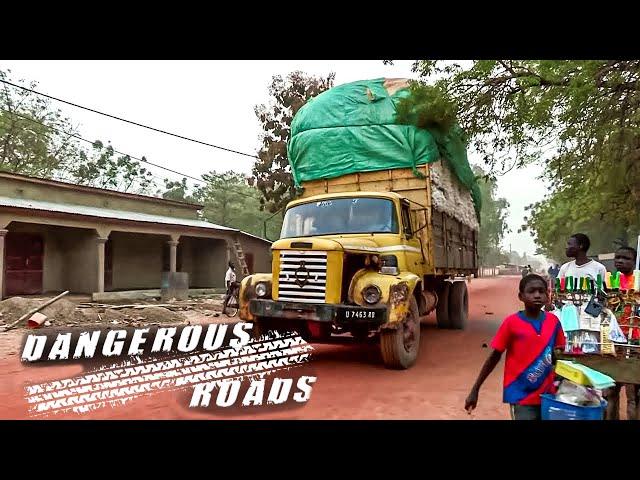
24 259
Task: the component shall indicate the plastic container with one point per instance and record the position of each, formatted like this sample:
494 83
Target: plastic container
553 409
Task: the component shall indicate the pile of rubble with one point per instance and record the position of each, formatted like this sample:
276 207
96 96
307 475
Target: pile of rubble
14 308
63 312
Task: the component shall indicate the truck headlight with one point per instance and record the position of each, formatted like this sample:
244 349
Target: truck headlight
371 294
262 289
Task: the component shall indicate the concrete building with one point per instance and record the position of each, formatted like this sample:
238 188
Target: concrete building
56 236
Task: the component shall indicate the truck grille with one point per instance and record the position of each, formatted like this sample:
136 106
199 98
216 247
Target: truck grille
303 276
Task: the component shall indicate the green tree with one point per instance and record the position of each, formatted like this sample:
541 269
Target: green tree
493 221
272 172
106 169
554 219
36 139
580 119
230 201
177 190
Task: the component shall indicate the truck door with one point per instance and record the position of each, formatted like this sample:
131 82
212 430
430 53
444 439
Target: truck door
413 249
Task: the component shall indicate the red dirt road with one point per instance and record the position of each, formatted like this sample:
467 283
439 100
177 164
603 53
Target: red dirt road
351 380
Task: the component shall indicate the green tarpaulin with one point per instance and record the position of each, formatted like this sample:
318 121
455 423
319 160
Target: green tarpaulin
352 128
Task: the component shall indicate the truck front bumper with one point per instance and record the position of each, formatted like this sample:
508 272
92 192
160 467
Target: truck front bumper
319 312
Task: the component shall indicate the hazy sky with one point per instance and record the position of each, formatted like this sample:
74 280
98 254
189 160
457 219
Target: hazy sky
211 101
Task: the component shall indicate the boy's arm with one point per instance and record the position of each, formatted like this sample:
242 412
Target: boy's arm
489 365
499 344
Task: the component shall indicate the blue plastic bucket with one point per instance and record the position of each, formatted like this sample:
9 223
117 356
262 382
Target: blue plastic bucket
553 409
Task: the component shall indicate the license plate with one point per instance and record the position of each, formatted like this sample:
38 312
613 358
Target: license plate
359 314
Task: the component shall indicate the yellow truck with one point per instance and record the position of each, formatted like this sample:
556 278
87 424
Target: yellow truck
369 253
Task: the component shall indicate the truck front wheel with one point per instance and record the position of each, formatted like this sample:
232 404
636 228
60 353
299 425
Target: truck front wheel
400 347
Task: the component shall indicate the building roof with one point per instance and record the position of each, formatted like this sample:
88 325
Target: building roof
113 214
101 191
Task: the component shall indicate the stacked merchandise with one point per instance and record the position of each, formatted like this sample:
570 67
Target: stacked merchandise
601 316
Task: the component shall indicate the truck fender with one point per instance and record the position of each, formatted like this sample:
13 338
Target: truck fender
396 292
248 292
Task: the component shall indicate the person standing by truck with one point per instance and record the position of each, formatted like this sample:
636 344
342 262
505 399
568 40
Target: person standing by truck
230 276
529 337
230 303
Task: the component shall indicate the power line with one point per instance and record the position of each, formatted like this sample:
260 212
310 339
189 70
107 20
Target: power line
93 143
121 153
130 121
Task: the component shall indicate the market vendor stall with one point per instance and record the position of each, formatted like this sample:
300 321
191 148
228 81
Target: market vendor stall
601 321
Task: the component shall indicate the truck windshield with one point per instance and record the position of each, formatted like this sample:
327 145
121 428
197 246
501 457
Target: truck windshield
340 215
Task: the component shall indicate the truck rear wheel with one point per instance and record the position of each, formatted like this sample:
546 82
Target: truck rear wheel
400 347
458 305
442 307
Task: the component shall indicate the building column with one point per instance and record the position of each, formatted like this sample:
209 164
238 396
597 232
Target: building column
100 242
3 233
173 252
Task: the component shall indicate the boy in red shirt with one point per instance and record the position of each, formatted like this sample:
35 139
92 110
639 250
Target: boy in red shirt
529 337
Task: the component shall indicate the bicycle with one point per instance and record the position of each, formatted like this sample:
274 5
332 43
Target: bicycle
231 303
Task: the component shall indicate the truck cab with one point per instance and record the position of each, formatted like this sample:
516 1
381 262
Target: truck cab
348 262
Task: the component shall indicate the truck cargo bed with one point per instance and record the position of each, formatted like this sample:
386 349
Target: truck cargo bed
449 246
454 245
